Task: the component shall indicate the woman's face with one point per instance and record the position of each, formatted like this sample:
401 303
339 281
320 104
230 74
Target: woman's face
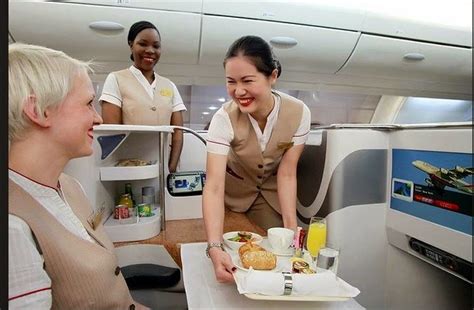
71 122
248 87
146 49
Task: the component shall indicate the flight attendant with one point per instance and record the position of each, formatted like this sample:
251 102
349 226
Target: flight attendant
138 95
254 143
57 258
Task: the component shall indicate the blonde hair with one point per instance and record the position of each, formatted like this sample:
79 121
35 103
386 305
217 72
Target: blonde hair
46 74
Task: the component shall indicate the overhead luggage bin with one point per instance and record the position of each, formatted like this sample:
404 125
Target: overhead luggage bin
71 32
317 49
384 57
172 5
338 14
446 22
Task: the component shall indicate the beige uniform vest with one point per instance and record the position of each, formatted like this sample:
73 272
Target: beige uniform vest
137 106
249 170
84 275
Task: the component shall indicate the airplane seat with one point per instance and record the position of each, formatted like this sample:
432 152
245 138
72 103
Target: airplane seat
311 167
342 177
340 168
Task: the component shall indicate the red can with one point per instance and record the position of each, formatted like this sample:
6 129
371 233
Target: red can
121 212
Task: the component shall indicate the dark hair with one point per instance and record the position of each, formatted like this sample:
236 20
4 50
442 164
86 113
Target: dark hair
258 51
136 28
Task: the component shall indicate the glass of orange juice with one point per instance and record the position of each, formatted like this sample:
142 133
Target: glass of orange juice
316 238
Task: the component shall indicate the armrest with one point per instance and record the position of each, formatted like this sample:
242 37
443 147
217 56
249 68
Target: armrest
145 276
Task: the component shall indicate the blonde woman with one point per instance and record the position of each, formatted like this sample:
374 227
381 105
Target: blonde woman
56 258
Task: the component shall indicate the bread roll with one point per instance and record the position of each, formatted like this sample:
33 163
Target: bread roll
258 260
249 246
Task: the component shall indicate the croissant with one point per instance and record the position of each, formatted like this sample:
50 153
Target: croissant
259 260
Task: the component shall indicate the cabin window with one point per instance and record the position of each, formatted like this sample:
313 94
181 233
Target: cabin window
418 110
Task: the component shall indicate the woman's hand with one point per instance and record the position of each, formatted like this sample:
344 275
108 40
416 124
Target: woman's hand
223 266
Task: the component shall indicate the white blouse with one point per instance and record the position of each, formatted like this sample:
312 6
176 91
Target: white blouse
111 91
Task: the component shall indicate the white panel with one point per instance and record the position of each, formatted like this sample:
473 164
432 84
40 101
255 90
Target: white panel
447 22
193 154
377 56
344 14
181 5
433 140
412 284
65 27
318 49
363 249
182 207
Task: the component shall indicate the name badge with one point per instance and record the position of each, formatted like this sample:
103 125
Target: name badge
285 145
166 92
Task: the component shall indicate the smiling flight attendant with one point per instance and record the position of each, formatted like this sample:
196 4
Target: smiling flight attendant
254 143
57 259
138 95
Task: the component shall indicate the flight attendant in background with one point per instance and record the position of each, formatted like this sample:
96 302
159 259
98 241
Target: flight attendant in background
254 143
138 95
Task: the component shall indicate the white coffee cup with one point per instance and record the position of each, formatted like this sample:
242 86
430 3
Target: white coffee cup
280 238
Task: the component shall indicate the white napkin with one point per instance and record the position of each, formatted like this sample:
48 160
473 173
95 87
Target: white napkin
323 284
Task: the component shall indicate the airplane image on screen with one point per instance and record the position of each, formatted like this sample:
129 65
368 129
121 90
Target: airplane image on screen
441 177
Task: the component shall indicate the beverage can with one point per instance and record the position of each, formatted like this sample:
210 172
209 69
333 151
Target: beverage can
144 210
121 212
148 195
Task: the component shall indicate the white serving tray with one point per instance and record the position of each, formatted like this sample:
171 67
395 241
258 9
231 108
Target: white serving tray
295 298
281 259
